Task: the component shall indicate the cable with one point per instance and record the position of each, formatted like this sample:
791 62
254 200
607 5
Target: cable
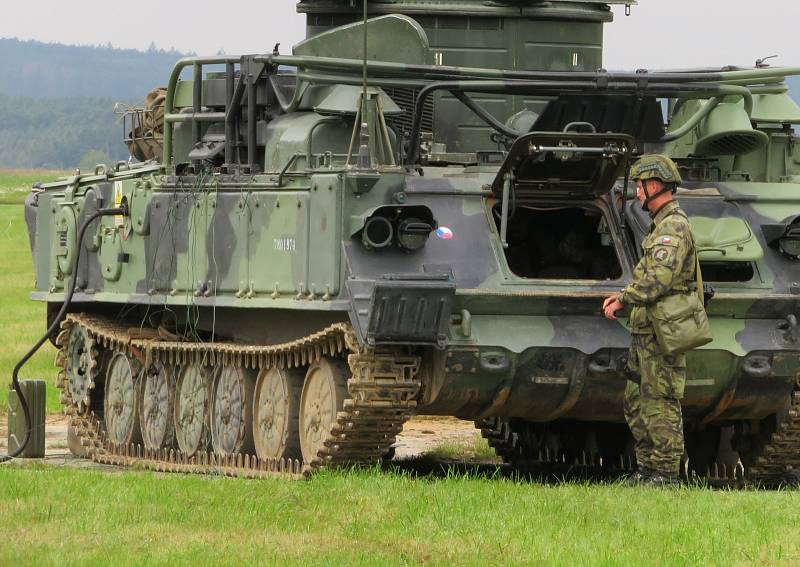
122 210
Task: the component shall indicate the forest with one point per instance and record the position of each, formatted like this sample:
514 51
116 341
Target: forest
57 101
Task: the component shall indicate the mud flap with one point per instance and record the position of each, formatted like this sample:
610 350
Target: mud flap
413 309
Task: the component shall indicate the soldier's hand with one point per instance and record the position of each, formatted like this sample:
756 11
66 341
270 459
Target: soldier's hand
610 307
610 299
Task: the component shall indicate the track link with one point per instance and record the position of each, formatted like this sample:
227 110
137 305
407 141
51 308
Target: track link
778 463
515 449
382 397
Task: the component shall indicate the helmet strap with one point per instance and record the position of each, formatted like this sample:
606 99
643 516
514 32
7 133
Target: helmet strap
649 197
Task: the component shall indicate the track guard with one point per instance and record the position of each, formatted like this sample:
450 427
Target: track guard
409 309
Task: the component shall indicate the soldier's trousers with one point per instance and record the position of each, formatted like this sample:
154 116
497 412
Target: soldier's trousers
653 408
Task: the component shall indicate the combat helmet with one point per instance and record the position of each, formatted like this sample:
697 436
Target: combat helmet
656 166
660 167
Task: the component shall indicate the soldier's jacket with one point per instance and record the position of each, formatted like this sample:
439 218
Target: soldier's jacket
667 266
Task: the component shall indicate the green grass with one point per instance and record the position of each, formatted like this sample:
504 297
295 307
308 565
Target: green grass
22 321
56 516
16 183
476 448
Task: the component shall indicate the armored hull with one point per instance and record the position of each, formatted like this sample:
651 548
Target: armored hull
314 259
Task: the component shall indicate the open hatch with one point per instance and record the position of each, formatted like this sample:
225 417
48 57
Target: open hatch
565 243
562 165
549 226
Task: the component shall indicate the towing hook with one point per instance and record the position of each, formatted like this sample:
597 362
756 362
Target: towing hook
789 328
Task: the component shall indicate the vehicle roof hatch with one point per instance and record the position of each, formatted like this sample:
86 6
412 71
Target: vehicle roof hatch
568 164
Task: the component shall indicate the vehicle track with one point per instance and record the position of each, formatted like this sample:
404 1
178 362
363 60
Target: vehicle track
382 397
776 460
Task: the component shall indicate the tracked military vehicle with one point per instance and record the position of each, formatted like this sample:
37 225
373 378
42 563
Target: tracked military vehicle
420 214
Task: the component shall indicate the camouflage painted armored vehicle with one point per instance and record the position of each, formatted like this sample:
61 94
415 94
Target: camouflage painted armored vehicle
328 246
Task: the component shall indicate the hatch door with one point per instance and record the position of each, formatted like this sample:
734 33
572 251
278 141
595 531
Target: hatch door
569 164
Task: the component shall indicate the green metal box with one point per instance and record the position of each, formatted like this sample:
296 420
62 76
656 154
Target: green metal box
34 392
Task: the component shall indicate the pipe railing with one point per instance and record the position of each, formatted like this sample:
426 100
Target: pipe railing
443 72
684 84
170 116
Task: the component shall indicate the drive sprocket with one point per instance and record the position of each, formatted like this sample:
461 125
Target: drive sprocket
79 361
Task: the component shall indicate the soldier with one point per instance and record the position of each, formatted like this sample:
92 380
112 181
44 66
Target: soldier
656 381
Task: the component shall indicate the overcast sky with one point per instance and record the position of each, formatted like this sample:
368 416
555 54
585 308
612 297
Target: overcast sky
659 33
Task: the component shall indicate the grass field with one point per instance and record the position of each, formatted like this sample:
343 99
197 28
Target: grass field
70 517
16 183
22 321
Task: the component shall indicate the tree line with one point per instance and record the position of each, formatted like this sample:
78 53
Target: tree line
57 133
52 70
57 101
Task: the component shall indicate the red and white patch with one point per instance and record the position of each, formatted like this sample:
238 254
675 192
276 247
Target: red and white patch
666 240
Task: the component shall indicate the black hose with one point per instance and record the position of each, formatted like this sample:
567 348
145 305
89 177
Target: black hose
123 210
484 115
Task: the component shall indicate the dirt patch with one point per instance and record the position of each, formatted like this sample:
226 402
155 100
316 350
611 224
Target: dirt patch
423 434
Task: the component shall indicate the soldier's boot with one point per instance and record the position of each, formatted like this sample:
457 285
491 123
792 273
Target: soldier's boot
639 477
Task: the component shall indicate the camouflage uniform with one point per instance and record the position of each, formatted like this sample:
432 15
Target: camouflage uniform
652 408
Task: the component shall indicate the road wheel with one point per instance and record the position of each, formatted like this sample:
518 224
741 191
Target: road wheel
157 406
324 392
192 397
231 419
120 410
276 413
